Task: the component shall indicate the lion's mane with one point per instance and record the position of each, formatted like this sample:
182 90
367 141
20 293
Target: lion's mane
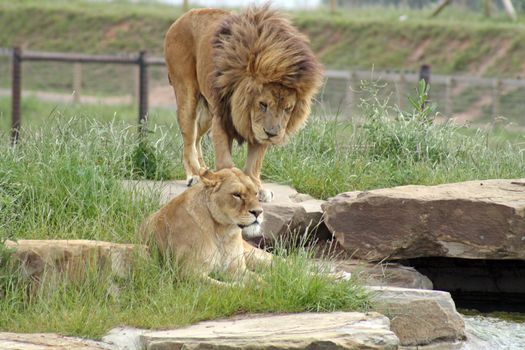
256 47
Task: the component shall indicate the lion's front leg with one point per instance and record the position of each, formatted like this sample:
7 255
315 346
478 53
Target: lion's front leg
222 145
253 167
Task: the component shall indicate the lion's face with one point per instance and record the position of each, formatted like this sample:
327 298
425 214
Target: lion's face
233 200
271 111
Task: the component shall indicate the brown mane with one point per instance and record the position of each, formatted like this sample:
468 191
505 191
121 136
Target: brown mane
256 47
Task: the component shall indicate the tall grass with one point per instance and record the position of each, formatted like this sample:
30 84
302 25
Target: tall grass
66 182
390 147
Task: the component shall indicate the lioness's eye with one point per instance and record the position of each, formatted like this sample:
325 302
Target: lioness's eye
263 106
288 109
236 195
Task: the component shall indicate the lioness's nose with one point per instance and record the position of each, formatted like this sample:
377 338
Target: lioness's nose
256 212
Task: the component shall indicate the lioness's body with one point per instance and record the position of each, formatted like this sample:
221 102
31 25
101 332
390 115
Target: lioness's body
200 227
249 77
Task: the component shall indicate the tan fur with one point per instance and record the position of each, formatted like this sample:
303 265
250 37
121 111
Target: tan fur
252 72
200 227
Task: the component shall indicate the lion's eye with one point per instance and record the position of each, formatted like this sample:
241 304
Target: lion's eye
236 195
263 106
288 109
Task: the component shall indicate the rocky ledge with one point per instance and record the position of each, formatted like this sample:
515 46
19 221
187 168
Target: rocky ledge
338 330
47 341
474 220
72 257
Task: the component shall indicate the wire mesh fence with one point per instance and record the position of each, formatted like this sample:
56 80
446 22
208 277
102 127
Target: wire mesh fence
466 99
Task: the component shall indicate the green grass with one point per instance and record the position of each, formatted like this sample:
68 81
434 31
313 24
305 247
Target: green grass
36 113
63 180
155 296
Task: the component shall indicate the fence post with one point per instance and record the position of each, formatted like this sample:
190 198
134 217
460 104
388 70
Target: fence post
401 90
143 90
449 85
424 74
16 92
77 82
333 6
496 91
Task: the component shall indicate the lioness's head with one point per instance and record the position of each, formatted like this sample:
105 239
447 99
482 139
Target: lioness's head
233 199
271 111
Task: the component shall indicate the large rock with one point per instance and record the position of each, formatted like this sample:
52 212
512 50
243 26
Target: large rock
46 341
419 317
475 219
73 257
384 274
338 330
288 212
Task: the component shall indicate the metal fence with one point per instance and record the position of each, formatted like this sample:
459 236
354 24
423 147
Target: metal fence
19 56
122 79
467 99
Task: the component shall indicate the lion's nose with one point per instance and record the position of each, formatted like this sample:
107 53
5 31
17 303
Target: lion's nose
256 212
271 132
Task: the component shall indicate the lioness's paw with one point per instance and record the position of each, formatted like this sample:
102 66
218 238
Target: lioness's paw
192 180
265 196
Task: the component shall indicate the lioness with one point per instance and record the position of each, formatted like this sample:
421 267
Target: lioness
249 76
201 228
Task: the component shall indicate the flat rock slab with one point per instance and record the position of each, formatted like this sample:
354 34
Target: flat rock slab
289 211
72 256
474 219
339 330
384 274
420 317
46 341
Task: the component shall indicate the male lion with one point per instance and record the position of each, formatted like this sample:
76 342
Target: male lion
201 228
249 76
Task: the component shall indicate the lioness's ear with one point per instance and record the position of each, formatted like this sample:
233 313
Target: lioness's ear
208 178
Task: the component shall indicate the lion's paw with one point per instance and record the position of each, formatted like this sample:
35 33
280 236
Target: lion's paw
265 196
192 180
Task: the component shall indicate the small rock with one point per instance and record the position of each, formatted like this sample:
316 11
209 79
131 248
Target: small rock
124 338
419 317
385 274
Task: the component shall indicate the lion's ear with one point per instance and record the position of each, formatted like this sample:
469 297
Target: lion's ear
208 177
